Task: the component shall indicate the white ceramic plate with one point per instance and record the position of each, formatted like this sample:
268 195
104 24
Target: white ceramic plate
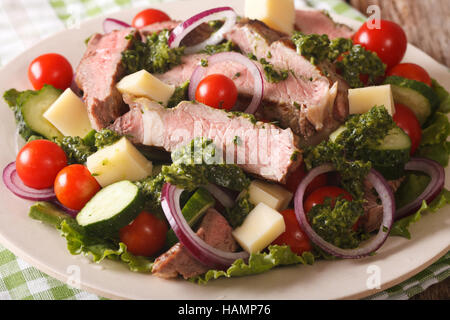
45 249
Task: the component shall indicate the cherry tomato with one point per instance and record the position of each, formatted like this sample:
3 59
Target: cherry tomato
293 236
318 196
145 236
388 42
217 91
50 68
405 118
75 186
410 71
38 163
297 176
149 16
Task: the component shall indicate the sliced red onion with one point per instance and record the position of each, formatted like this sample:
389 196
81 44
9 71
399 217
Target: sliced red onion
223 197
110 24
73 213
258 80
203 252
437 175
386 195
13 182
183 29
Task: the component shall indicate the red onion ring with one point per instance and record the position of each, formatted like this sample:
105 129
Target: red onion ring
14 184
437 175
73 213
258 79
221 196
110 24
203 252
190 24
386 195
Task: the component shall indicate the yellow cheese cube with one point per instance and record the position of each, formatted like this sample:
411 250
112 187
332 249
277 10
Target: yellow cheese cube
144 84
69 115
277 14
273 195
117 162
362 100
260 228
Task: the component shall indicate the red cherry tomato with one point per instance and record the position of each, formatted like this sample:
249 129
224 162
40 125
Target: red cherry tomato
145 236
149 16
318 196
50 68
388 42
293 236
405 118
217 91
75 186
297 176
410 71
38 163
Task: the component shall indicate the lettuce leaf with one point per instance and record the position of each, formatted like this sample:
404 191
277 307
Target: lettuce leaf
78 242
434 143
258 263
401 227
443 97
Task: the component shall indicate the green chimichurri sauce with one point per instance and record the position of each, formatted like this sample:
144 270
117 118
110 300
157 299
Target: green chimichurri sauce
352 61
154 55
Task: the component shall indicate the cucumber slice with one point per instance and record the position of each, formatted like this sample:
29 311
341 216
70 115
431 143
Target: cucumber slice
417 96
34 104
48 213
111 209
193 210
390 156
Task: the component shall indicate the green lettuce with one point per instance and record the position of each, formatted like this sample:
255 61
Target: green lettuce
258 263
443 97
79 242
434 144
401 227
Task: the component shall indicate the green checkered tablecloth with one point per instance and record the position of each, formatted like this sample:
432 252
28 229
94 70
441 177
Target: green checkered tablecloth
19 280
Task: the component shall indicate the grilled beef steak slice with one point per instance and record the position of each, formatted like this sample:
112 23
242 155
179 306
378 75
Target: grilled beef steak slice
97 75
214 230
309 100
319 22
259 148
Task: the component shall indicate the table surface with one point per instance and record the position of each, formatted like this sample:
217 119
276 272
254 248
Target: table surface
433 37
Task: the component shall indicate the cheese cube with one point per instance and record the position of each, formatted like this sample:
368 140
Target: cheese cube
69 115
277 14
260 228
144 84
117 162
361 100
273 195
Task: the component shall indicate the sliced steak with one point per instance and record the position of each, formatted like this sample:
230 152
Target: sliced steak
319 22
177 261
373 209
310 100
158 26
258 148
97 75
